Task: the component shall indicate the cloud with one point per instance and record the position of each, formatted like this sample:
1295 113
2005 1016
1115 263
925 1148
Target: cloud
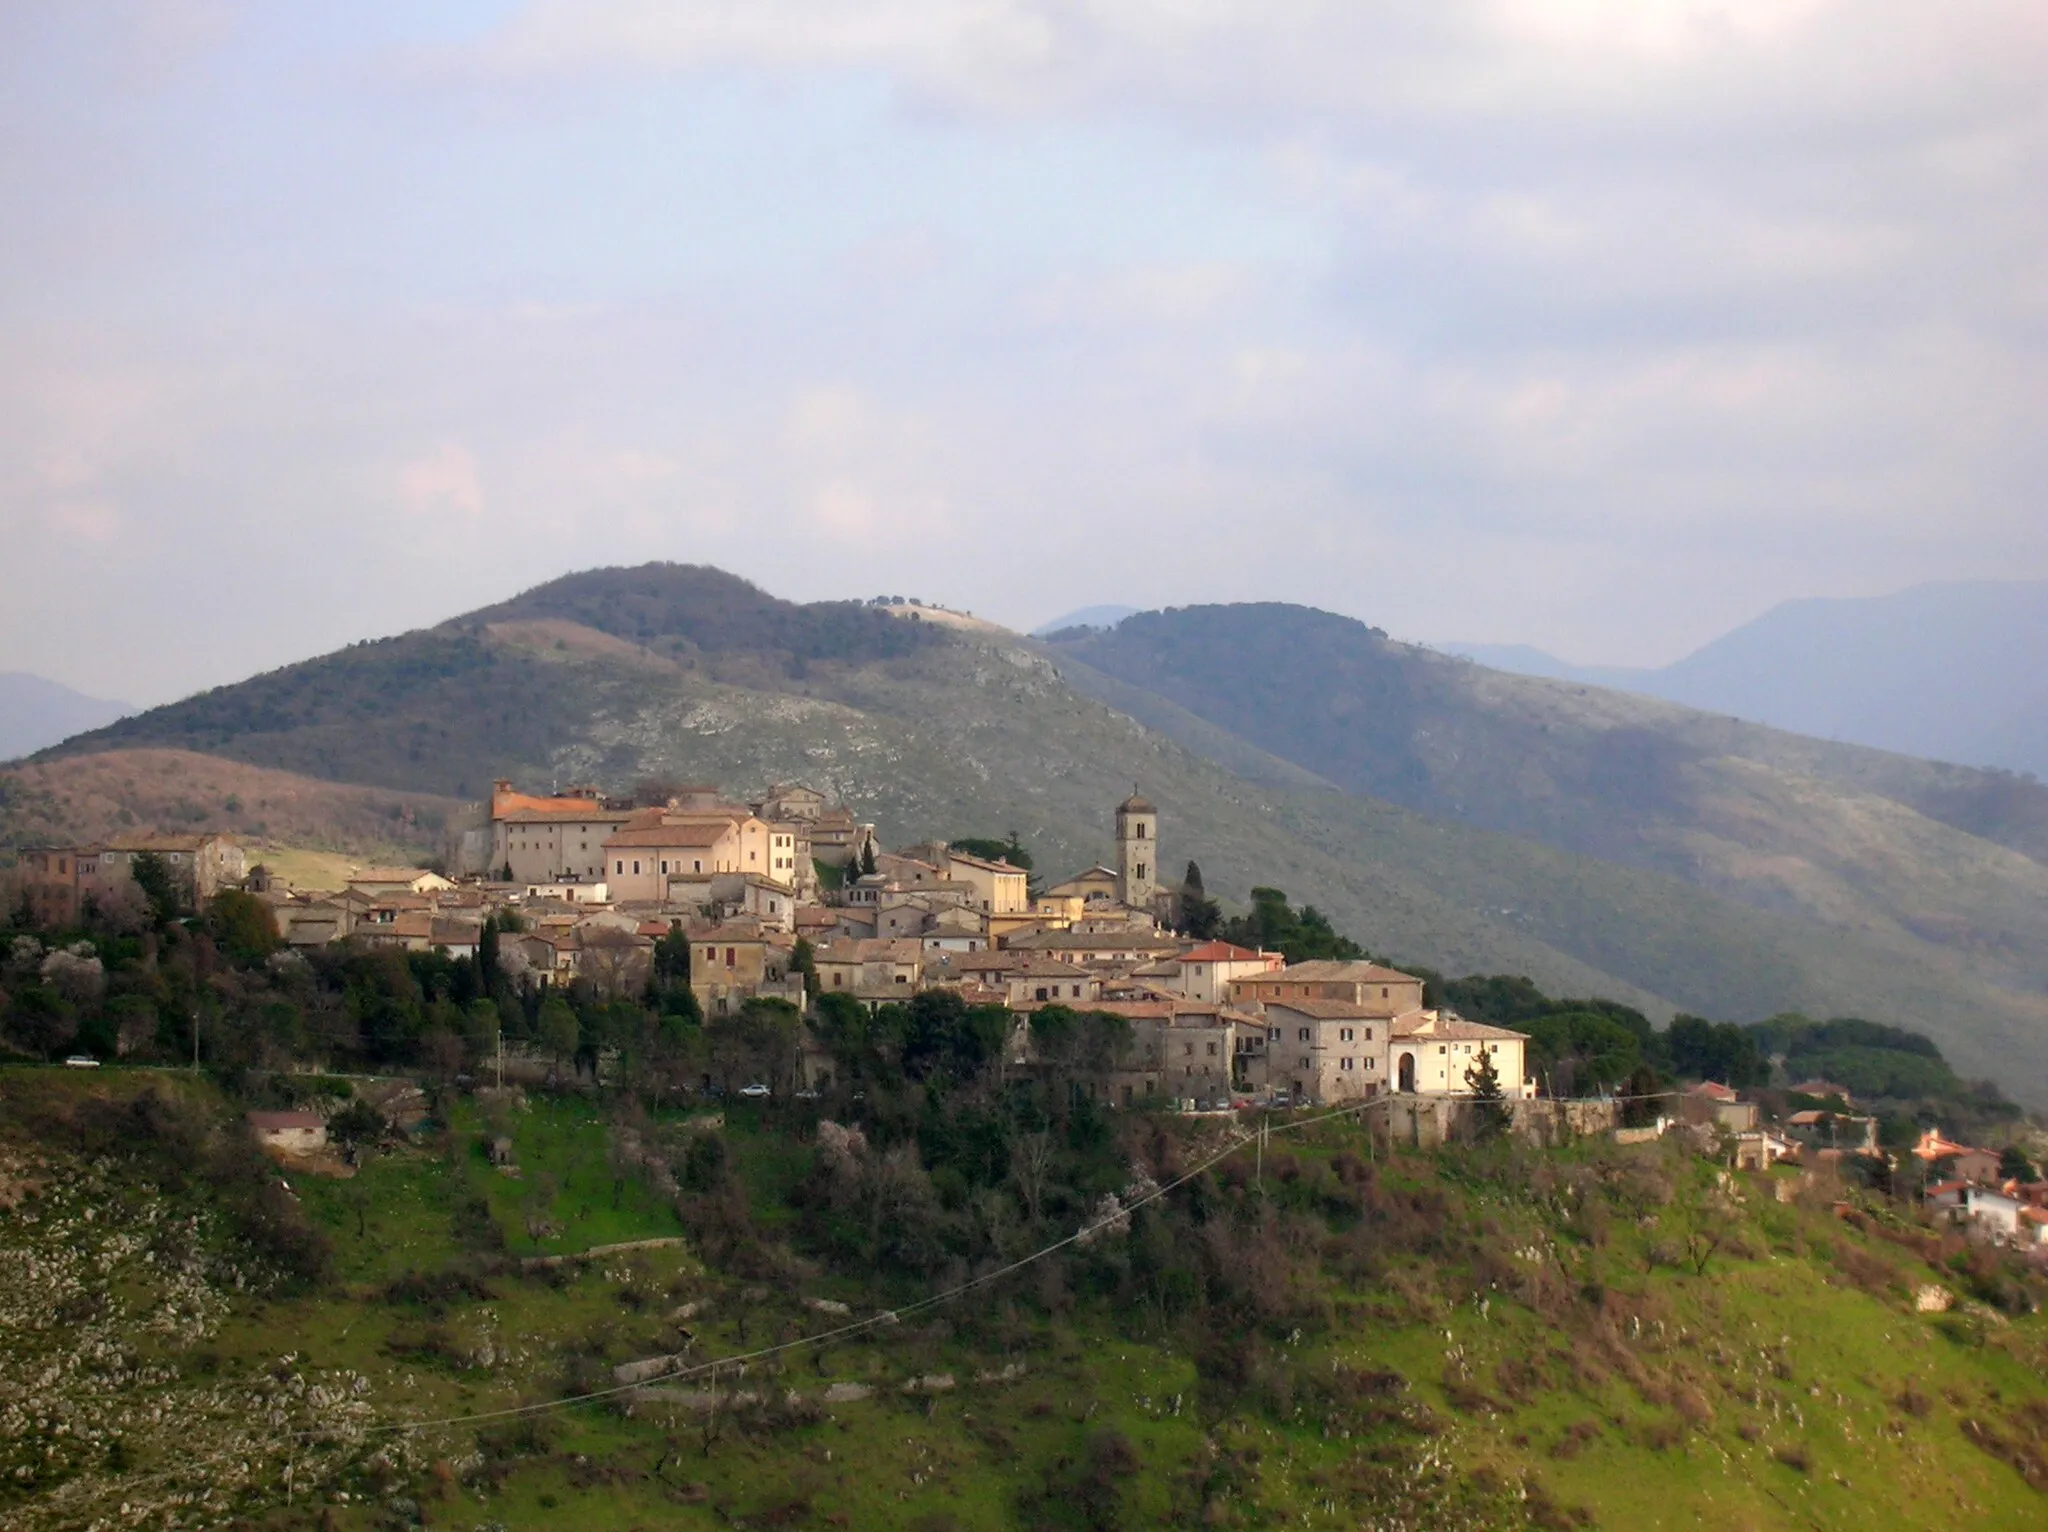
442 486
1597 325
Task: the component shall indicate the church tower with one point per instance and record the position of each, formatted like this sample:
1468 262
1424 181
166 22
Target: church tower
1137 852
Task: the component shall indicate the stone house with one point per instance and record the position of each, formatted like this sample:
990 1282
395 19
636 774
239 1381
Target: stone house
60 881
791 801
550 839
642 857
1714 1103
1431 1050
837 838
379 881
999 888
872 969
722 896
1206 972
1388 991
951 930
1970 1164
1098 885
288 1133
738 961
1121 946
1326 1050
1840 1130
1040 981
1182 1050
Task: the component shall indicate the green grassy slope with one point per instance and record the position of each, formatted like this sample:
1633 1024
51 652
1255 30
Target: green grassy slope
1593 1337
699 676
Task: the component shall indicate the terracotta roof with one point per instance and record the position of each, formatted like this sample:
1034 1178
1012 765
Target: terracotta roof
1220 952
573 810
1093 941
1335 971
1135 1010
1452 1028
981 862
872 949
1048 968
1135 805
981 962
702 833
1713 1090
152 841
1329 1010
729 931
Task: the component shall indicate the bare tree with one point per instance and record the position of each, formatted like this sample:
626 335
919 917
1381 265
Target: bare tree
614 961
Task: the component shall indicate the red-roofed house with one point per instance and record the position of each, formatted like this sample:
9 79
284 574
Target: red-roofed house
1207 971
545 840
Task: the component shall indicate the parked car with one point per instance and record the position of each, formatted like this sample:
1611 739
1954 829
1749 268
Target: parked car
81 1061
756 1090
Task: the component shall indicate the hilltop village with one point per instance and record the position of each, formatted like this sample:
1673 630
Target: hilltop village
790 890
791 900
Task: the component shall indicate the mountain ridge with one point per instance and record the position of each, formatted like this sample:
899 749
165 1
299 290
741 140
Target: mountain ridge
36 712
960 732
1947 671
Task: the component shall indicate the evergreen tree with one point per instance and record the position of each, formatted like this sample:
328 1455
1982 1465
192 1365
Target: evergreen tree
867 859
152 875
1200 916
1491 1113
805 962
560 1032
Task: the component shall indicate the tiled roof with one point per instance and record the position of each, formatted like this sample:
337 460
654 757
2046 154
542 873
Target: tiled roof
983 864
1048 968
526 808
1334 971
1451 1028
703 833
1220 952
1329 1010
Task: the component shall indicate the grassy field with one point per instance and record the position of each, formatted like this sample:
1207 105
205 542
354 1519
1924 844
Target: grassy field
1624 1339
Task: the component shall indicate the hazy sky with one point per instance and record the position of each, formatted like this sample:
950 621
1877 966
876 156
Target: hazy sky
1598 325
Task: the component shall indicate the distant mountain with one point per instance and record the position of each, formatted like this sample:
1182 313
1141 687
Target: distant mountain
1953 672
1085 617
1949 672
1446 813
1946 864
1528 660
36 713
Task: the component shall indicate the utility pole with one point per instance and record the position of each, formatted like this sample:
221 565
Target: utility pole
501 1055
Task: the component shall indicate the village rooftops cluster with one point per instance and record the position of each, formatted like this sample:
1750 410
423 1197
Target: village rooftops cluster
594 885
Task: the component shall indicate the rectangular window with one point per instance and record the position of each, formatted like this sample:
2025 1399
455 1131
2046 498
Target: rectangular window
732 957
1346 1063
1301 1034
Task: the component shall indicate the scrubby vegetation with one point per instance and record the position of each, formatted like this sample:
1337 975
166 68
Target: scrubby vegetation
1329 1333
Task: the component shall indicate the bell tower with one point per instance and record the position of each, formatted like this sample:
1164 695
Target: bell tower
1137 852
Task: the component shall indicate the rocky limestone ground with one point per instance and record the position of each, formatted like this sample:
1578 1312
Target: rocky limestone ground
111 1411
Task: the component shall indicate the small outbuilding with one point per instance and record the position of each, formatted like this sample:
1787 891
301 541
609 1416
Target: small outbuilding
289 1132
